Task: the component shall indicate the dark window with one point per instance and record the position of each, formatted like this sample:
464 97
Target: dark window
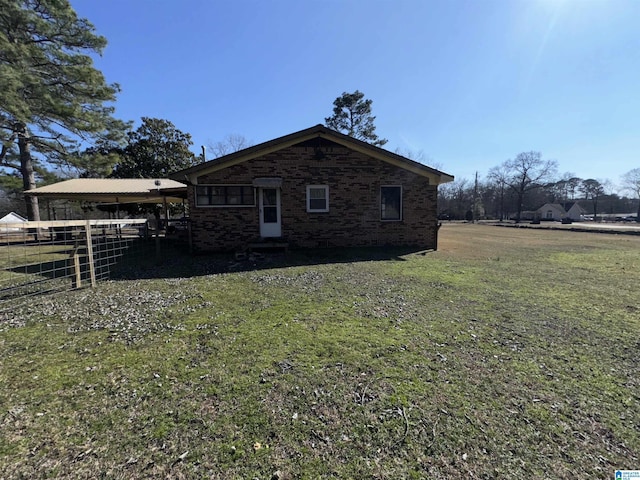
270 214
270 205
317 198
225 195
391 203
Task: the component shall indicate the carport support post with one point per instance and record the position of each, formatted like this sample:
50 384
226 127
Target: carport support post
158 257
166 227
166 214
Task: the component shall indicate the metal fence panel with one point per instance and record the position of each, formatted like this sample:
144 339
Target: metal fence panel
44 257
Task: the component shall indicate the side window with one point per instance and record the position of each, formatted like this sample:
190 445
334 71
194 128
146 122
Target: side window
391 203
225 196
317 198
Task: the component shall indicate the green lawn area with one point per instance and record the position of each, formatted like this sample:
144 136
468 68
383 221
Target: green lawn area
29 254
509 353
26 269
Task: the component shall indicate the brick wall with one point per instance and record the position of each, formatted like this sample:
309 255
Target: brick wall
354 181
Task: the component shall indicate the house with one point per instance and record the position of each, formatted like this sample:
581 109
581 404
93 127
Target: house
11 222
551 211
312 188
557 212
12 217
575 211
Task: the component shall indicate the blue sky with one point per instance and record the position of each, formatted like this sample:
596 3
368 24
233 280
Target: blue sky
468 83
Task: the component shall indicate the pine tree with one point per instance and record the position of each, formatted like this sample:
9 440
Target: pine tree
352 116
51 96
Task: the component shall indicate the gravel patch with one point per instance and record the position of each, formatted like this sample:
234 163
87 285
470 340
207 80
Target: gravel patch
127 310
305 281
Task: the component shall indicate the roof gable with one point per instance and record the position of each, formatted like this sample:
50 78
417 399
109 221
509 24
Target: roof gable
576 207
12 217
308 136
554 206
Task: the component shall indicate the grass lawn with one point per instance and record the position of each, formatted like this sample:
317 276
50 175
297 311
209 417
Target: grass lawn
17 261
509 353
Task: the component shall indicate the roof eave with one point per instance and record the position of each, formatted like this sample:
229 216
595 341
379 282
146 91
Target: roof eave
109 198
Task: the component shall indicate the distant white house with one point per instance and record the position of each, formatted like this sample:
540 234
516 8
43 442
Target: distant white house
555 211
551 211
575 211
11 217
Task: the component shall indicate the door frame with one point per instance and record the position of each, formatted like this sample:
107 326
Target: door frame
270 229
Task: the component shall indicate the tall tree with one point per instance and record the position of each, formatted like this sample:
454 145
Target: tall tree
631 182
592 190
231 143
97 161
570 184
352 116
455 199
155 150
51 96
564 189
527 172
499 176
418 156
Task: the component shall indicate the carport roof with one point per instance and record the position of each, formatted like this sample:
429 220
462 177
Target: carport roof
114 190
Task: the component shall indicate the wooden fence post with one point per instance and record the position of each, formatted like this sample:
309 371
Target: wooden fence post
92 267
77 268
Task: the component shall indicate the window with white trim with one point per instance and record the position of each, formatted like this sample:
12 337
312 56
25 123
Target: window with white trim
225 196
317 198
391 203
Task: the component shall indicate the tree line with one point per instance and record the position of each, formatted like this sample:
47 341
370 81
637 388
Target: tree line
57 110
526 183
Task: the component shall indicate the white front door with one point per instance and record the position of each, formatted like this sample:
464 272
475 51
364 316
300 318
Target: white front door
270 225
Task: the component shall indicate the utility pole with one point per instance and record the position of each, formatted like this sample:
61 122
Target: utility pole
475 199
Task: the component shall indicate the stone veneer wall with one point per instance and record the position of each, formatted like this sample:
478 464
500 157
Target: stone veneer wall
354 181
